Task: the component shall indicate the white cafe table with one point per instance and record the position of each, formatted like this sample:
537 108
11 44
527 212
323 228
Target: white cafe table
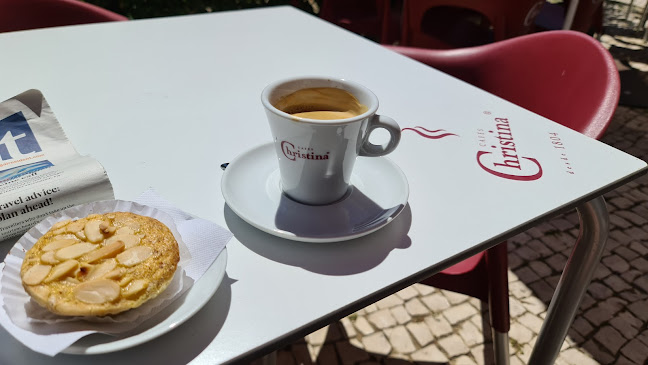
162 103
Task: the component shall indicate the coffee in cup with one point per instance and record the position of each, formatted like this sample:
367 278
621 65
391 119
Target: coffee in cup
320 126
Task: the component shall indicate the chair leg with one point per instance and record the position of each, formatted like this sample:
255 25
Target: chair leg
501 347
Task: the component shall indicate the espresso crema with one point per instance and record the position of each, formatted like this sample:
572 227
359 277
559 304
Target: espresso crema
324 103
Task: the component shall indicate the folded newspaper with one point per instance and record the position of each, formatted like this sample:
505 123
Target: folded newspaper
40 171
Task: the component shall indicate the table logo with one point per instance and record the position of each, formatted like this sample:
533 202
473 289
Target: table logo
502 159
306 153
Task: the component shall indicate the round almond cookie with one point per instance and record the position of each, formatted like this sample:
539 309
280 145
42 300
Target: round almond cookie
101 264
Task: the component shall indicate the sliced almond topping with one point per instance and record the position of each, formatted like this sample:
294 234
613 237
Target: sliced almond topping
61 224
97 291
71 280
59 243
58 231
48 258
115 274
76 226
134 255
133 225
74 251
81 235
93 232
128 239
105 252
123 282
62 269
106 228
125 230
35 274
102 269
135 288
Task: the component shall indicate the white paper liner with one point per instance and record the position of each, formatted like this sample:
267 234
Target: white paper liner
27 314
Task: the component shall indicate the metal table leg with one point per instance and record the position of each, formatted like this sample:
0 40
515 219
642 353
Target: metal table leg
578 272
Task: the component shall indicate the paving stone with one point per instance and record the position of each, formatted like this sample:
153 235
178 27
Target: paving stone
640 309
407 293
415 308
389 301
630 275
627 324
521 334
617 221
640 264
527 253
626 253
542 290
631 216
582 326
349 329
516 308
464 360
635 350
459 313
519 290
363 326
533 305
532 322
637 233
576 357
470 333
377 343
599 291
541 268
318 337
400 314
639 247
438 325
610 338
527 275
454 298
382 319
616 263
514 260
429 354
436 302
421 333
479 354
621 202
400 340
557 262
424 289
616 284
453 345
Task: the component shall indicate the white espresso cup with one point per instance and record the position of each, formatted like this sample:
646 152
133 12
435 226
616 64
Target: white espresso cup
316 156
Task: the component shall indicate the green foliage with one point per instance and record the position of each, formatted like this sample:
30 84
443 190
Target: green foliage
137 9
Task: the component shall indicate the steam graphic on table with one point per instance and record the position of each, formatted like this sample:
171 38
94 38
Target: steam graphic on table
431 134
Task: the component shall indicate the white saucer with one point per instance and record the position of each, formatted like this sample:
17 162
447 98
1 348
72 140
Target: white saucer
251 188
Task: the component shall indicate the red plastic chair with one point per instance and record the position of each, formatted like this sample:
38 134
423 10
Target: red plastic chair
565 76
31 14
447 24
370 18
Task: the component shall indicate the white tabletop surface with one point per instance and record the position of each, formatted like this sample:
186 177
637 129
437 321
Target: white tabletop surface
162 103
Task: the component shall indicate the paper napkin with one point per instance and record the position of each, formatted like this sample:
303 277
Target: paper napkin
50 334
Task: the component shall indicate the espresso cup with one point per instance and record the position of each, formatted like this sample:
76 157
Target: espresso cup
320 126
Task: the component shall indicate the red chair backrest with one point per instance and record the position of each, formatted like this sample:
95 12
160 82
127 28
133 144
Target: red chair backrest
509 18
368 17
565 76
30 14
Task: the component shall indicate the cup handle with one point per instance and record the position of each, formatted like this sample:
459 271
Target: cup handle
380 121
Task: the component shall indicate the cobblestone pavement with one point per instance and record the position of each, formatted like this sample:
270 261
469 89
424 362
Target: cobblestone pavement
424 325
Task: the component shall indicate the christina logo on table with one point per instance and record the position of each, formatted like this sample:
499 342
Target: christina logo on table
502 159
306 153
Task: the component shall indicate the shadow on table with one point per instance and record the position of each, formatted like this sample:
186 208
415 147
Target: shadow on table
335 258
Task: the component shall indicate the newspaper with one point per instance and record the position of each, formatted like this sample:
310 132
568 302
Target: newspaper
40 171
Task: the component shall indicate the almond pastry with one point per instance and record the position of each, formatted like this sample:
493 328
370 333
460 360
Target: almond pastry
101 264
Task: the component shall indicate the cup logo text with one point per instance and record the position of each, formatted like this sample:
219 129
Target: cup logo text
306 153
